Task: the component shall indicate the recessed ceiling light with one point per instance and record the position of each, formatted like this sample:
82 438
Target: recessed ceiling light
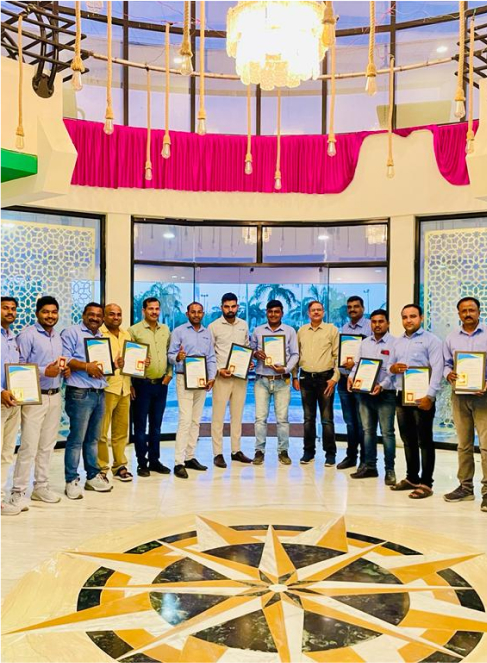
442 49
178 59
378 271
174 276
169 235
324 237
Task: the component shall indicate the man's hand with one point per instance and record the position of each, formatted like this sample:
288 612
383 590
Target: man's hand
452 377
330 388
224 373
398 368
278 369
132 393
93 370
260 355
66 372
209 385
8 398
376 390
424 403
166 379
349 384
348 364
296 384
147 361
52 370
119 361
181 354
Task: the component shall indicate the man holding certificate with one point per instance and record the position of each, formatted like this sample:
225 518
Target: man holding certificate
359 326
85 401
275 346
192 353
233 355
377 398
10 408
417 363
464 352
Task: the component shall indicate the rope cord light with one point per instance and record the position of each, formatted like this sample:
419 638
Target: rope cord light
329 23
277 174
166 142
248 155
371 72
108 128
185 51
460 94
331 149
390 160
77 66
19 132
148 163
470 146
201 128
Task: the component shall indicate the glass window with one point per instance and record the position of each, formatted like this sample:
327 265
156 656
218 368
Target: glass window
353 14
325 243
172 286
301 110
370 283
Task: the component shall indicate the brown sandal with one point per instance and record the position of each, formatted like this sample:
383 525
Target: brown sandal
420 493
404 484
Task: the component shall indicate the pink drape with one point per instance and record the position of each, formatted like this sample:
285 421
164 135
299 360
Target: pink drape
216 162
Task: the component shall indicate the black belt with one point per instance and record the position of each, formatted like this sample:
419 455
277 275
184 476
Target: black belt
281 376
316 374
150 380
50 392
70 387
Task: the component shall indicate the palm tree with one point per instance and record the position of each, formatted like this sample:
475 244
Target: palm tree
274 291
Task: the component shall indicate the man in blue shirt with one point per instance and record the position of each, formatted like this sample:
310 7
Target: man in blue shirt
190 340
358 325
469 410
85 404
273 381
378 407
417 347
40 344
10 409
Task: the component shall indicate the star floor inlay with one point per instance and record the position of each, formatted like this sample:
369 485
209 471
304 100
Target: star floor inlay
270 590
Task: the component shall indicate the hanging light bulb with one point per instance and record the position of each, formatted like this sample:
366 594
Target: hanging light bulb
108 127
459 109
371 85
470 146
201 128
19 142
166 147
277 181
331 150
186 65
76 81
390 170
148 170
248 164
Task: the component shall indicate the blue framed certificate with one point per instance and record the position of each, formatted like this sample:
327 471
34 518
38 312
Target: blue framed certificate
195 373
366 375
23 382
415 384
99 351
470 368
238 362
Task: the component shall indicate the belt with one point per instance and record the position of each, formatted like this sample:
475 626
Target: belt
70 387
317 374
281 376
149 380
50 392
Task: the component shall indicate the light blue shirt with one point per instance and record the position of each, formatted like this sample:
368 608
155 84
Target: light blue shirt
363 327
291 342
420 349
461 340
36 346
371 348
74 348
10 352
195 343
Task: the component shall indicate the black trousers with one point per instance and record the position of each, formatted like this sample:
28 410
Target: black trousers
350 409
416 429
313 387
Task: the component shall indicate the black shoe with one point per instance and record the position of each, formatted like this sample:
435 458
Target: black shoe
258 458
283 458
180 472
159 468
346 463
194 464
307 457
330 461
143 472
241 457
365 473
390 478
219 461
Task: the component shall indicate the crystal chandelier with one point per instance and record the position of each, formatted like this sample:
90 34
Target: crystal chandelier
376 234
276 43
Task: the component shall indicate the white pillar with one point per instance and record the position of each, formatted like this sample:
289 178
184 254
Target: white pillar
118 268
401 268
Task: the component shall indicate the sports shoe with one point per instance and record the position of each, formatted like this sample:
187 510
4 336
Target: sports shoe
122 474
219 461
10 509
365 473
180 472
307 458
460 494
346 463
283 458
258 458
241 457
158 467
73 490
18 500
483 506
99 484
194 464
390 478
43 494
330 461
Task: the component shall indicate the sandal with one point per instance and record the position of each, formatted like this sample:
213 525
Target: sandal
123 474
405 484
421 492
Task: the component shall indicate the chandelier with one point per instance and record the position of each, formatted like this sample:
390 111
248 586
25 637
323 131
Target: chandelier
376 234
249 234
276 43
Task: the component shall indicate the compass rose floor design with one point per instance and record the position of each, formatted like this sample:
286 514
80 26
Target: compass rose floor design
268 584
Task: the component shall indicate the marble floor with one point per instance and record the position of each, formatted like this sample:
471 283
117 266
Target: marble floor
266 563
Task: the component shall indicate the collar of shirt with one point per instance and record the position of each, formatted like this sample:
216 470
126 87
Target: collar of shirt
147 325
274 331
84 328
384 339
121 332
360 323
320 326
479 329
235 322
41 330
197 331
419 332
8 333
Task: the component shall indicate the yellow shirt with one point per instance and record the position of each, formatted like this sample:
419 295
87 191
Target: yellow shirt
318 348
118 383
158 342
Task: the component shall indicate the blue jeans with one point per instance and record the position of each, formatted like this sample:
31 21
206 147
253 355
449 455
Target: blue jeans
264 390
380 409
85 410
149 403
351 416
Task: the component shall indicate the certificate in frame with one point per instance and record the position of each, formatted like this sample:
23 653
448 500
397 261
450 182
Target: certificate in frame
99 351
274 347
415 384
195 372
348 346
470 367
366 375
134 357
239 360
23 381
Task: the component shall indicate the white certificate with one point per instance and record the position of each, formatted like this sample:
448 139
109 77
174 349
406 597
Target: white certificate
416 382
134 358
274 348
470 368
239 360
195 375
23 382
99 351
349 347
366 375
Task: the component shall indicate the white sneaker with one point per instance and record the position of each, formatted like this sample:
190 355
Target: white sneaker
43 494
10 509
98 483
73 490
18 500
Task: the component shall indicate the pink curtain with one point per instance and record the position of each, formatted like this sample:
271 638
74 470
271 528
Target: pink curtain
216 162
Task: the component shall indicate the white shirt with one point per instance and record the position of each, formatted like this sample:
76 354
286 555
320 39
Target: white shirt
224 334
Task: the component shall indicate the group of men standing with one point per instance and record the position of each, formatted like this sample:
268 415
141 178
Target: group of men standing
95 403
